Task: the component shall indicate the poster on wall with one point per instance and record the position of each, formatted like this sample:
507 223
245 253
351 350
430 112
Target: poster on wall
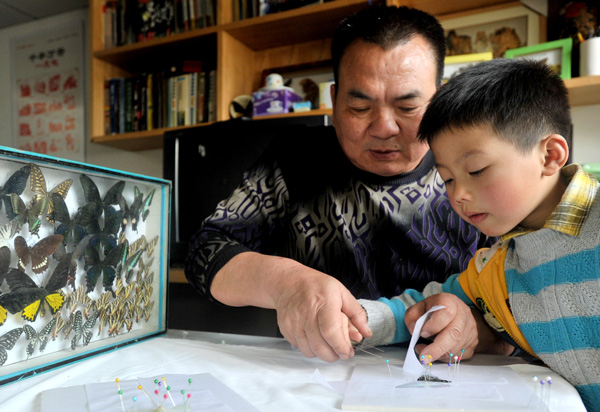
48 92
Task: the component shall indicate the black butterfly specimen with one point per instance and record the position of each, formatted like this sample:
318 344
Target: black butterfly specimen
92 195
107 267
37 184
83 329
67 262
30 215
27 296
139 207
38 254
4 262
7 342
70 228
40 338
15 184
107 235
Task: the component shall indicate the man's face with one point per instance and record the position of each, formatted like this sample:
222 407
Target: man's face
381 98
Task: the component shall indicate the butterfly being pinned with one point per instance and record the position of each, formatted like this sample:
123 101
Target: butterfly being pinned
7 342
15 184
38 254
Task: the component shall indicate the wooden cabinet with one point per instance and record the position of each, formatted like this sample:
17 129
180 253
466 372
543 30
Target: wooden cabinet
240 51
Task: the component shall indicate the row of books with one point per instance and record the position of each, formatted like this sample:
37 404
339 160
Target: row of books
156 100
132 21
244 9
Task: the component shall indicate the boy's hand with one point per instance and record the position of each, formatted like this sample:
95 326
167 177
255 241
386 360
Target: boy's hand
455 327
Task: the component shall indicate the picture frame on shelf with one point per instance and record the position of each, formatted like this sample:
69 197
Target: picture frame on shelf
453 65
557 54
492 30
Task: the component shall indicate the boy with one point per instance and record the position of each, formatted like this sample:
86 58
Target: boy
497 134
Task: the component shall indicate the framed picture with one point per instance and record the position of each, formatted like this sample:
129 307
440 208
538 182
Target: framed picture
453 65
557 54
492 30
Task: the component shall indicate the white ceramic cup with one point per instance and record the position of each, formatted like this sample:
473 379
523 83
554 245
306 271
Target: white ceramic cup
274 81
590 57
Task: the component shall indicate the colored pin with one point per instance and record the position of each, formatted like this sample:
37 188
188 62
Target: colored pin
120 394
168 388
387 362
134 399
140 387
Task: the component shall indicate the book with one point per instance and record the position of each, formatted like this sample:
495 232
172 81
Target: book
212 96
128 104
114 105
172 101
149 102
192 97
122 105
201 93
107 107
183 105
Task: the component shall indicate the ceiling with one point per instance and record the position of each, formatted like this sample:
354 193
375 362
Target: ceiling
13 12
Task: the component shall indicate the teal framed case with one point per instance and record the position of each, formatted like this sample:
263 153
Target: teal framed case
83 261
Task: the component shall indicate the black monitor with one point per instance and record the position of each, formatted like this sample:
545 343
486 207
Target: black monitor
206 164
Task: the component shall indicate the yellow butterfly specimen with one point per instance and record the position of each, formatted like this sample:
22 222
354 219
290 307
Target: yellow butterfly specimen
37 184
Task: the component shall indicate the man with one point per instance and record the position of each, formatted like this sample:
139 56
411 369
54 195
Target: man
353 211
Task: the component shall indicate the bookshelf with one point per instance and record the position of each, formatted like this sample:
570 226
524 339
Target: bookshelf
241 50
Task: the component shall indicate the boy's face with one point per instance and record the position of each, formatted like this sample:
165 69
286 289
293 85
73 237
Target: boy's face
490 183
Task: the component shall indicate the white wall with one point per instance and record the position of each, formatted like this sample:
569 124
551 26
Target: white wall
586 119
147 162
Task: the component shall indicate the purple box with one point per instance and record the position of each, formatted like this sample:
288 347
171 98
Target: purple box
273 101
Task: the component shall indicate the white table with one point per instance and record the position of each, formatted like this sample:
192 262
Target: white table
266 372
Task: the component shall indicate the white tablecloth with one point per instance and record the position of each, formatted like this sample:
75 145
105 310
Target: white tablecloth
266 372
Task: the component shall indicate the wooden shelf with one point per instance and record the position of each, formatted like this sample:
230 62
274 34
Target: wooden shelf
135 141
241 51
584 90
177 275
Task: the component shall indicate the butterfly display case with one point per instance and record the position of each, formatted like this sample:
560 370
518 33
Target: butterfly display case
83 261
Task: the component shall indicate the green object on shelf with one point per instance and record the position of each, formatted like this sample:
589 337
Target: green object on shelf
593 168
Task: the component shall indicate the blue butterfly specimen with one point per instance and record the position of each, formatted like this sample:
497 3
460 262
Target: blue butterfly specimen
70 229
107 268
7 342
15 184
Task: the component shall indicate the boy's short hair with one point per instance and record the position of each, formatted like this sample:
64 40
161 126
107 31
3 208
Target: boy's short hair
521 100
388 27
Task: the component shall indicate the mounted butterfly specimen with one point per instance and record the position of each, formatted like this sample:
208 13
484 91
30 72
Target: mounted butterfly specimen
67 262
83 329
26 296
37 254
106 268
36 338
106 235
7 231
92 194
30 215
15 184
139 207
4 262
70 229
7 342
37 184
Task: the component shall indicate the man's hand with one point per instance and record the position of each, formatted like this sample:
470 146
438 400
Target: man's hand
319 315
315 311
